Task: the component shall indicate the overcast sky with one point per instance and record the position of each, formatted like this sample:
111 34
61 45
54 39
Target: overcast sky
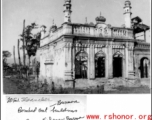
44 11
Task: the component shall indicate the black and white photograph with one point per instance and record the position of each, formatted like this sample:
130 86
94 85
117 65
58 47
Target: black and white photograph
76 47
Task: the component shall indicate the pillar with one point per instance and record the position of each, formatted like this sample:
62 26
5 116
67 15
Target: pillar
91 62
88 71
131 64
136 64
73 61
106 62
124 66
126 60
68 62
110 61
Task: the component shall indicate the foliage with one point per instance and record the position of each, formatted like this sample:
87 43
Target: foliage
6 54
32 41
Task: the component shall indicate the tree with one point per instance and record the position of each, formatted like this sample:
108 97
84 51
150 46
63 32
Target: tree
6 54
32 41
14 55
19 58
23 40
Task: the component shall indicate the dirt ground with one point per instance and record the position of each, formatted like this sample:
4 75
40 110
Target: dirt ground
9 87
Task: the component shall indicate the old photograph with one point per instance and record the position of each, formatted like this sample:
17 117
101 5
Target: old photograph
76 47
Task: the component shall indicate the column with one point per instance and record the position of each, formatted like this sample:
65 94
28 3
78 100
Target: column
131 65
110 61
68 62
88 71
126 60
124 66
73 61
106 62
92 63
136 58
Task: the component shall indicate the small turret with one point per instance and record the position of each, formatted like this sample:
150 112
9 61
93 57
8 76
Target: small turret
53 27
86 21
43 31
127 14
67 11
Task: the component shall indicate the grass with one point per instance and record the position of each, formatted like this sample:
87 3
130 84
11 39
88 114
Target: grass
119 90
11 87
131 90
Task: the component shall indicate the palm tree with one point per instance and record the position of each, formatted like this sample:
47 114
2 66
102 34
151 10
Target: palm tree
30 43
31 40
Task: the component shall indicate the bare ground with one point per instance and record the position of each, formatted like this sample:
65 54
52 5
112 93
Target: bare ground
9 87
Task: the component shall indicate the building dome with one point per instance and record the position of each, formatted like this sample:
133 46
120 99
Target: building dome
100 19
53 28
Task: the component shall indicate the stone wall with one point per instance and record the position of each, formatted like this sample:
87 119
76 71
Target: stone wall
52 63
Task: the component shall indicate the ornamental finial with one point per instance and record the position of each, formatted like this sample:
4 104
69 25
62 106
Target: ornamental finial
86 19
53 21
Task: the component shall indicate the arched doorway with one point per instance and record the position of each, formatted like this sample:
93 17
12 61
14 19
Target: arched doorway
144 67
117 64
100 65
81 65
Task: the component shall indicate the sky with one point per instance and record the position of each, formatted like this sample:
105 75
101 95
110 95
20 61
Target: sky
44 11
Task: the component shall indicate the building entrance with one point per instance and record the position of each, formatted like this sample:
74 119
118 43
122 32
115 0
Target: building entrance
81 65
144 67
100 67
100 64
117 65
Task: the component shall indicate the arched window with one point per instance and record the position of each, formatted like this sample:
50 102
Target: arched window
100 64
117 64
81 64
144 64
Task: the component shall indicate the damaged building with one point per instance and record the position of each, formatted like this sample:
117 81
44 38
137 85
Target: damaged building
94 52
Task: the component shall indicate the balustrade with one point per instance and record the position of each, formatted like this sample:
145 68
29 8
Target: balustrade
92 31
89 31
122 33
